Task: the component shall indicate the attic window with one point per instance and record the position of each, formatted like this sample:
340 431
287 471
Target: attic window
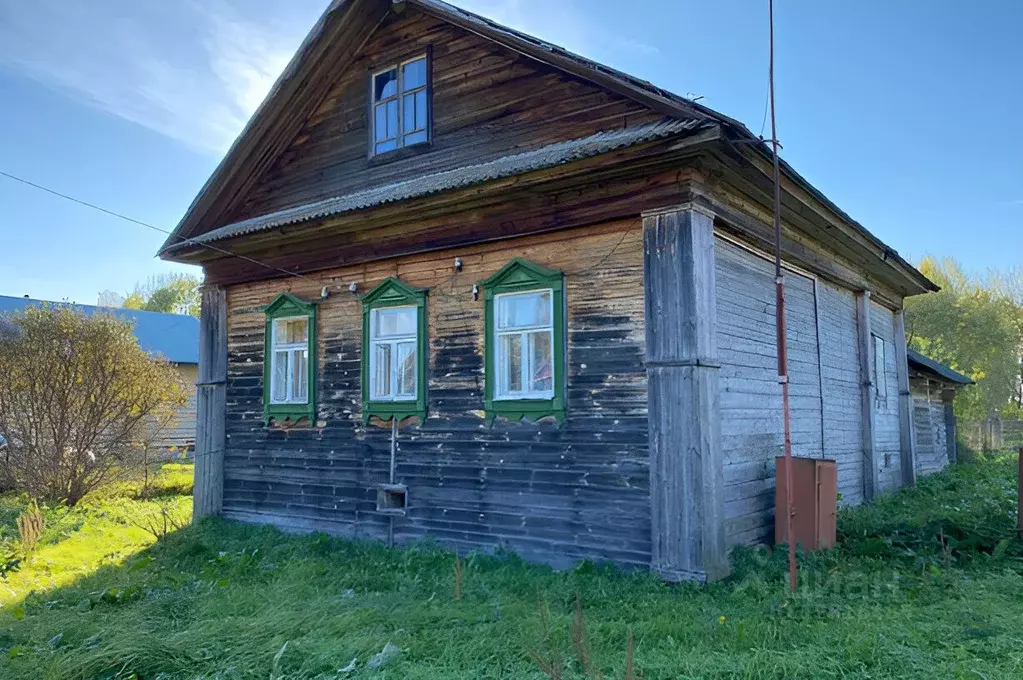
401 106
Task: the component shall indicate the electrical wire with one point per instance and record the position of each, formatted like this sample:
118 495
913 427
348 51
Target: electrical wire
113 213
126 218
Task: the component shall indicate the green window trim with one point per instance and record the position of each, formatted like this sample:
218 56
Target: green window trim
394 293
520 275
287 305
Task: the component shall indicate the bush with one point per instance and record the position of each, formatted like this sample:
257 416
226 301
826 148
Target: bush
80 401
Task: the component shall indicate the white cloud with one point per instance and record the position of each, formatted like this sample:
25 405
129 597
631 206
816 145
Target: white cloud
195 70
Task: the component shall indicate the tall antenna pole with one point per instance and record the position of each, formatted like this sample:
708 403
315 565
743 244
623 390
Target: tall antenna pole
779 285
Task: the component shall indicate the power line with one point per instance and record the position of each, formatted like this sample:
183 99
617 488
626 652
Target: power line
124 217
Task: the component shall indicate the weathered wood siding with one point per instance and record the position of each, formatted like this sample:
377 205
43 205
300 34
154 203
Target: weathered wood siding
840 378
929 427
177 437
550 493
751 417
887 444
487 102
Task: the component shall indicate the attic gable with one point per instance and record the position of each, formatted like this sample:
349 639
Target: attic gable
487 101
330 47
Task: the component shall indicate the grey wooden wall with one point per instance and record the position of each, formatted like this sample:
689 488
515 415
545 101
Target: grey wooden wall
751 422
840 376
929 427
887 443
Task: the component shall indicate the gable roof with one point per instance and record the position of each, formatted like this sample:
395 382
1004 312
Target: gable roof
928 365
175 337
292 98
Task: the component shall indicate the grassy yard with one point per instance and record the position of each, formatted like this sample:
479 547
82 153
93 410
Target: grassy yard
926 584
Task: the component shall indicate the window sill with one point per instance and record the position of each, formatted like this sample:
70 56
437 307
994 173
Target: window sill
400 153
531 410
398 410
288 414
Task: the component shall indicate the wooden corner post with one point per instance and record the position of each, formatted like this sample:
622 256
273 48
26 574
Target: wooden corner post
871 476
211 404
686 488
907 439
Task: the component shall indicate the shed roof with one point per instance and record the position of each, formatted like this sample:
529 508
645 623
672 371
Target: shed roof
928 365
175 337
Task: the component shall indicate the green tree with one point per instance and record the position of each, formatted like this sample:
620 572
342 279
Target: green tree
975 325
170 293
80 401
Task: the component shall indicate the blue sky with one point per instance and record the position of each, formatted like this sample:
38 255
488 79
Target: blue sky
906 114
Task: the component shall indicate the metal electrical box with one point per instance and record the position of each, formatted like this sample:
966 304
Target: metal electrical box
814 502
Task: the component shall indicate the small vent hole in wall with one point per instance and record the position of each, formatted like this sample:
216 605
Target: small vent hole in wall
392 499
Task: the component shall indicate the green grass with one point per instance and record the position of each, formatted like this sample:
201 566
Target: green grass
926 584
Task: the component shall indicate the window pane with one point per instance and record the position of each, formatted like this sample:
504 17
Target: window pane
413 75
385 85
296 331
299 373
880 368
414 112
381 379
380 121
415 138
540 364
524 310
510 363
408 120
387 146
280 336
396 321
407 369
279 377
392 118
421 110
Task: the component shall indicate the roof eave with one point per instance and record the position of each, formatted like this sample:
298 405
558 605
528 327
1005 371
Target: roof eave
917 280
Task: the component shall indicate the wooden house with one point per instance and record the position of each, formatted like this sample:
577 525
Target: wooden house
464 284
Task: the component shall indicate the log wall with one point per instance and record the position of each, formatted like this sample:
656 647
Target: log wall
751 405
929 426
550 493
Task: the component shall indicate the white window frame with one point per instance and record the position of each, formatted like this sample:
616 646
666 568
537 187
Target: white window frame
393 341
399 140
880 368
291 348
526 359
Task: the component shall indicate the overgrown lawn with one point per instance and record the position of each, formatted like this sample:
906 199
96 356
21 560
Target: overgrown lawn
927 583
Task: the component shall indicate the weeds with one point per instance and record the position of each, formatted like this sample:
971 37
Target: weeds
907 594
458 577
552 665
31 525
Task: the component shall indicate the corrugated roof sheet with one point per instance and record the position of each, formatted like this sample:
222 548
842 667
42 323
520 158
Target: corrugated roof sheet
933 366
172 336
506 166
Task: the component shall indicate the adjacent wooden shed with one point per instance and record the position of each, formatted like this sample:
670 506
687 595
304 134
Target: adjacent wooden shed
934 387
524 299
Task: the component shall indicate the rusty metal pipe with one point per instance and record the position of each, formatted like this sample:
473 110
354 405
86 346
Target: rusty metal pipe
779 278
